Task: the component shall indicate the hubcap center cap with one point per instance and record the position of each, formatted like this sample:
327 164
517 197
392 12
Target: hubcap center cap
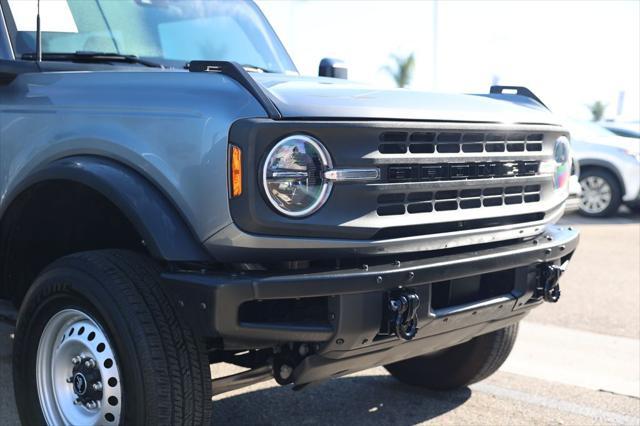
86 381
79 384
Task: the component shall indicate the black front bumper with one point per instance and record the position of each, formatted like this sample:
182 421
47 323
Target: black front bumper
211 302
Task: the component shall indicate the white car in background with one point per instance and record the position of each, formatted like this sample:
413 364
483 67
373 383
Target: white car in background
609 169
627 130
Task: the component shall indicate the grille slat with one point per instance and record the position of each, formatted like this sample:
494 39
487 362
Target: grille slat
456 142
448 200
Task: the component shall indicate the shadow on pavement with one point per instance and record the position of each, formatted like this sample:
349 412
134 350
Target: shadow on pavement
355 400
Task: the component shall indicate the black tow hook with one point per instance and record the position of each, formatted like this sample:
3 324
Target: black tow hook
551 281
404 314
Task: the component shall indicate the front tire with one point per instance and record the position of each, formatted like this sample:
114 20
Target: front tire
460 365
103 316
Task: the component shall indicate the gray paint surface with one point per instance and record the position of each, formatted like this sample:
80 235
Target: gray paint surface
298 97
170 126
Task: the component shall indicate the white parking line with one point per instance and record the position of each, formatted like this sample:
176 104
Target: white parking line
556 404
577 358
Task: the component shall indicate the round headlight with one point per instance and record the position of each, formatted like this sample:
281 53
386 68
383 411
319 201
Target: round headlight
562 150
293 175
562 156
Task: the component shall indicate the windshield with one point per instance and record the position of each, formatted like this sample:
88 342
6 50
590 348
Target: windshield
171 32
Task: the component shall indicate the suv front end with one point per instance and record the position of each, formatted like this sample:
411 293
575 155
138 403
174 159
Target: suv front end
340 219
181 204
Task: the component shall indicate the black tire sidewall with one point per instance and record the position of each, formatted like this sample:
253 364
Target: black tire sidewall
616 192
63 287
460 365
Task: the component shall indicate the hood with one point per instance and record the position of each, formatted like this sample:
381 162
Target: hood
308 97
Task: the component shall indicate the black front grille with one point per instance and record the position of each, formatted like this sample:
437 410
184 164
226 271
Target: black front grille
454 199
460 171
409 198
447 142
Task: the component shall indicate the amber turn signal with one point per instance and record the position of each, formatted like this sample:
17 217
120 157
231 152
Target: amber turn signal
235 159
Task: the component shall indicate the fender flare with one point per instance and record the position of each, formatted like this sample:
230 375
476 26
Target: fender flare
164 231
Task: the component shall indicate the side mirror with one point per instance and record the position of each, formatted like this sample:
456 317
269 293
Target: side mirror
334 68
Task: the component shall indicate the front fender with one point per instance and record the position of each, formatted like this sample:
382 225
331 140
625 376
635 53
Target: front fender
164 231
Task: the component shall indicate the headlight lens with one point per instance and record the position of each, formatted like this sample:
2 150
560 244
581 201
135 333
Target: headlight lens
293 176
562 156
562 150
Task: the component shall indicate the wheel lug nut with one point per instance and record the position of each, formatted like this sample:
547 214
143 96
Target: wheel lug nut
90 363
91 405
76 401
70 379
76 360
97 386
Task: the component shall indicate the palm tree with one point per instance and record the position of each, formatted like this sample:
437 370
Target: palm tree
597 110
402 69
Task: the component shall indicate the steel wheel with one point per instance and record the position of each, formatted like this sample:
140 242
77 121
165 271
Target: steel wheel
596 194
78 378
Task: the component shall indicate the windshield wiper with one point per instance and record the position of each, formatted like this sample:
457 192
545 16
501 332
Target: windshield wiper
92 57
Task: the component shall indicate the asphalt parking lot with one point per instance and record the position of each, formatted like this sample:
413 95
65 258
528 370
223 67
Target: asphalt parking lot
576 362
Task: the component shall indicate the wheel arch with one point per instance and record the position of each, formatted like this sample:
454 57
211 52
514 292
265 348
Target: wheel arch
595 163
100 192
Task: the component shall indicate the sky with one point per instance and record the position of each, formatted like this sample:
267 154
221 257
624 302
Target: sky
569 53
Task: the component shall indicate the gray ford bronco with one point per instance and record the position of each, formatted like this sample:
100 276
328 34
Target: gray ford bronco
174 195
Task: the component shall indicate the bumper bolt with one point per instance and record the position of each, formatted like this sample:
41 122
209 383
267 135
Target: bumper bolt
549 238
365 267
547 251
379 280
562 248
535 242
396 263
339 341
